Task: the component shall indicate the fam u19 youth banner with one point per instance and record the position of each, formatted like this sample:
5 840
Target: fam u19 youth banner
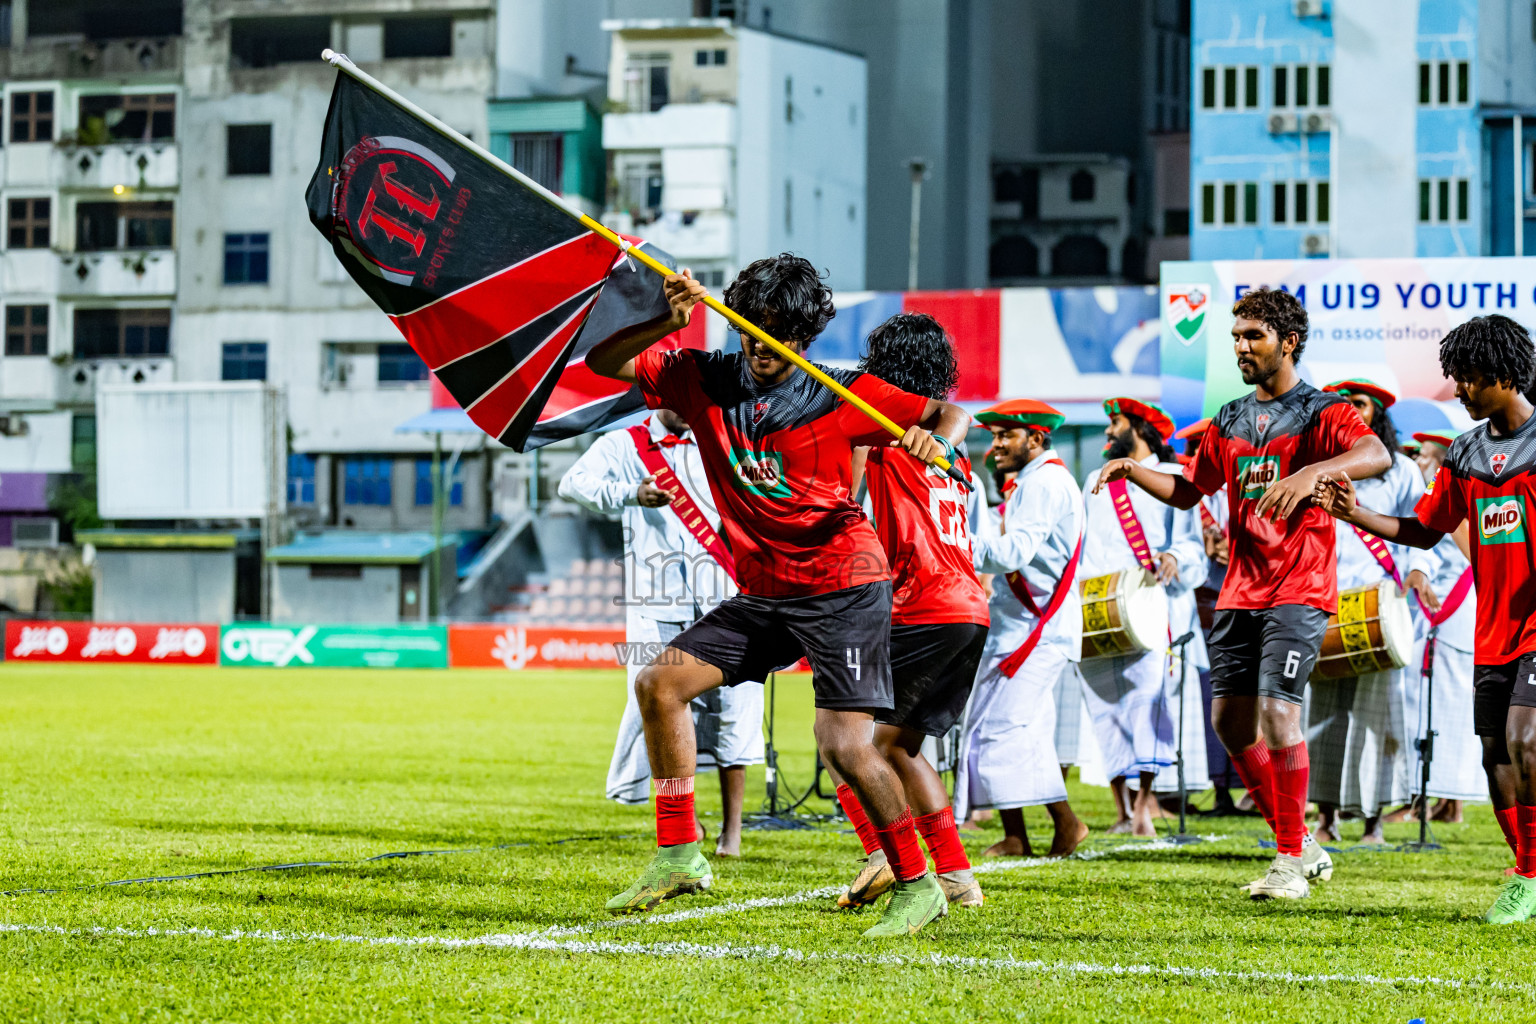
1381 319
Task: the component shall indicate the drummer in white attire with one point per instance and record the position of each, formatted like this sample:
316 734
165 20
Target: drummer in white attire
1442 579
1357 733
1008 752
673 574
1137 701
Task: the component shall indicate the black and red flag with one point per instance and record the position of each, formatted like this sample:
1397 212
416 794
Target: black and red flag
499 291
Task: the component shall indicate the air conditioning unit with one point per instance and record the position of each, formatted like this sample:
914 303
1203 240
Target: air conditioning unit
1283 124
1315 244
35 533
13 425
1311 8
1316 123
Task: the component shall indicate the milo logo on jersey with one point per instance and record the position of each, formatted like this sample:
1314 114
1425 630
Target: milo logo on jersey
760 472
1501 520
1255 473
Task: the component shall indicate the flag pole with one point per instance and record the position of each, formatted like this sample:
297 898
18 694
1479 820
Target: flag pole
343 63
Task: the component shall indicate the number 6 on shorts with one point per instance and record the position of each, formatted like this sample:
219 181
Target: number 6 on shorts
1292 663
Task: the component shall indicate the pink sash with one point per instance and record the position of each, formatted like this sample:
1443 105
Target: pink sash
1135 536
1378 549
694 520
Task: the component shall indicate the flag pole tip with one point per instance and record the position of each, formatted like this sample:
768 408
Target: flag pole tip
327 54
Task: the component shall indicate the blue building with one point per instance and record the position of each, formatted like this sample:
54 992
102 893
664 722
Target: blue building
1362 128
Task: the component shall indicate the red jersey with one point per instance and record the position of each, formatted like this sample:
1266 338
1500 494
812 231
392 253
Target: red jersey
1488 480
777 458
1251 444
922 518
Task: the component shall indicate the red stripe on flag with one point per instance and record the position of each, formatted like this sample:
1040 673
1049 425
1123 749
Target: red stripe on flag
479 314
974 320
495 410
579 386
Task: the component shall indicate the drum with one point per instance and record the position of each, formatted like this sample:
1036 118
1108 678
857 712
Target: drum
1372 632
1124 614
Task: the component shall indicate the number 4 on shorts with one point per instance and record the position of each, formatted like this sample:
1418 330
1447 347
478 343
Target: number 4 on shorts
851 657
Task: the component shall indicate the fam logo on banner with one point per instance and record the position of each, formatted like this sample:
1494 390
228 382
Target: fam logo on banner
492 645
111 642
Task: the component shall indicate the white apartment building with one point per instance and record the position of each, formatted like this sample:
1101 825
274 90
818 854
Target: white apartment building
726 144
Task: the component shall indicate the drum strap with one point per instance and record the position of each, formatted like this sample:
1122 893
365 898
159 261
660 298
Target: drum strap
693 518
1135 536
1209 521
1453 600
1010 664
1378 549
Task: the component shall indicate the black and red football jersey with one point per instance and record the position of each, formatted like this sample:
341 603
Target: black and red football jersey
1249 446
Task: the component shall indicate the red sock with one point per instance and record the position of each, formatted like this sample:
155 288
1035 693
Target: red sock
1507 817
858 818
1291 768
675 820
943 841
899 841
1257 772
1525 842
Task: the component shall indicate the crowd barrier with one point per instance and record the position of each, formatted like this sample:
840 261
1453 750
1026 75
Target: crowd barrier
320 645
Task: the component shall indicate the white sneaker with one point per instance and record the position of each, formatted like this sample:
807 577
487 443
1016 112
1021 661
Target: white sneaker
1285 881
1316 865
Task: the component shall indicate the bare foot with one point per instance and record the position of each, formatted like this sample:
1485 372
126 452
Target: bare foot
1120 828
1407 812
1326 833
1009 846
1509 871
1145 829
728 845
969 826
1066 846
1447 811
1372 839
698 823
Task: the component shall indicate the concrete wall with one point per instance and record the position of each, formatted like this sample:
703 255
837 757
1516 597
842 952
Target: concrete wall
164 586
375 598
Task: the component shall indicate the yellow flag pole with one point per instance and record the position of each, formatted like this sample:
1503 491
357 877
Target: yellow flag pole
343 63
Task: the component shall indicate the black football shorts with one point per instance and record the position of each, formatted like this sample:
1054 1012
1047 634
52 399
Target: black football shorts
1496 689
932 669
1266 652
845 635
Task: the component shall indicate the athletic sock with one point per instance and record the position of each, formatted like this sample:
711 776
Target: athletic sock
899 841
1291 767
1525 845
676 823
943 841
1507 821
1257 772
860 820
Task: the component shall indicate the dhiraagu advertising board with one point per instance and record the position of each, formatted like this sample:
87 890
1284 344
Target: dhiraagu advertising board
1381 319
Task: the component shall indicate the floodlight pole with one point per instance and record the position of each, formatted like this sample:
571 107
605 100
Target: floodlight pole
919 170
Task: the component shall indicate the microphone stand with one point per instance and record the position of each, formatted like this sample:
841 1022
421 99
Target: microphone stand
1426 744
1182 646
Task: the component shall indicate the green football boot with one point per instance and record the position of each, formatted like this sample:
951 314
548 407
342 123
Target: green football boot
913 904
674 871
1516 902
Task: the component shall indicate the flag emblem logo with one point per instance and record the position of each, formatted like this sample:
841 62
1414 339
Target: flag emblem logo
1185 311
1261 423
394 198
1497 460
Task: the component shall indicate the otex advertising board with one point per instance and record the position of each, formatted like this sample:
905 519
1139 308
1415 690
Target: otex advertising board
271 646
1381 319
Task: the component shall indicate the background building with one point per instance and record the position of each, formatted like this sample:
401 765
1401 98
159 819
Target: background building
1362 128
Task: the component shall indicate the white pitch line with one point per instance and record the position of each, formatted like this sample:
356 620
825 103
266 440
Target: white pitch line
1156 845
696 912
764 953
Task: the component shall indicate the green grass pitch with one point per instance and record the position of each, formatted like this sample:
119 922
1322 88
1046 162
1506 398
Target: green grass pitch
119 773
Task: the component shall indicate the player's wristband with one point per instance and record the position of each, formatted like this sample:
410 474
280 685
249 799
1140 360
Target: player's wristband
949 448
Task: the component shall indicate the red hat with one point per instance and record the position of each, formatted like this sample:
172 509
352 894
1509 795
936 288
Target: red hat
1195 430
1440 437
1023 412
1362 386
1153 414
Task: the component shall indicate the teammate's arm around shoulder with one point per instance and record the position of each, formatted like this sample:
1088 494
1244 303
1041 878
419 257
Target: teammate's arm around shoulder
615 357
1335 494
1165 487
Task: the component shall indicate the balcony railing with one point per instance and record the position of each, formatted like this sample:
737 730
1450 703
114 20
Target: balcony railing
113 58
117 274
133 165
78 379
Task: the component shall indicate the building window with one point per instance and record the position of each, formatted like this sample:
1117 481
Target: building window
647 81
246 258
245 360
301 479
100 226
82 442
399 364
248 149
110 333
366 481
267 42
32 117
137 117
1300 203
1080 187
1444 200
1300 86
1229 203
1445 83
540 157
26 330
1238 87
424 483
418 37
29 226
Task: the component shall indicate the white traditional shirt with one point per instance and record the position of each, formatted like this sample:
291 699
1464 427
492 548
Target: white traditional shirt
1041 523
667 573
1176 531
1393 493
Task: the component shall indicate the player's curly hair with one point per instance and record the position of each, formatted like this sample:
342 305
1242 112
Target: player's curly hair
1493 346
784 295
1278 310
1148 433
911 351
